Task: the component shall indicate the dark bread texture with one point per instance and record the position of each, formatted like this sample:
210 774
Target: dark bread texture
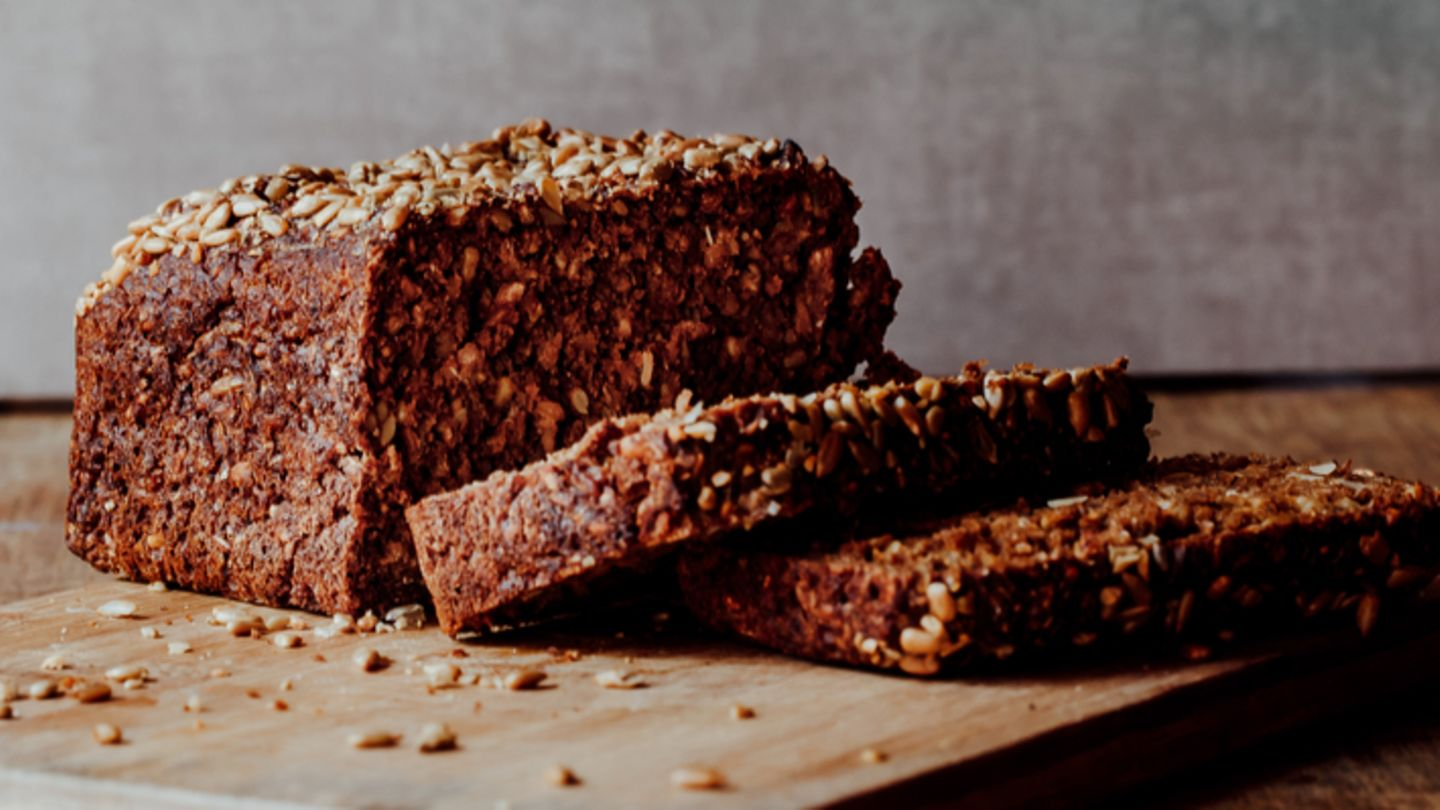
1195 549
275 368
635 487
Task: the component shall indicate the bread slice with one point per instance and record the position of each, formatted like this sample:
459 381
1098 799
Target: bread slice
1195 548
638 485
274 368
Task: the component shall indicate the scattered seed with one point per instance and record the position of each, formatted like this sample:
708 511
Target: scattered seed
6 712
55 662
873 756
442 675
92 693
436 737
287 640
117 609
616 679
158 586
42 689
286 685
125 672
178 647
149 632
280 705
741 712
219 672
561 776
368 660
697 778
373 739
412 617
523 679
107 734
193 703
242 628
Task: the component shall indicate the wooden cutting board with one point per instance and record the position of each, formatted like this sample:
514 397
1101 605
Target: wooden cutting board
997 739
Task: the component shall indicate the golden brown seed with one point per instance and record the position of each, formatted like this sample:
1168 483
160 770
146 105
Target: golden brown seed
910 415
707 499
469 261
919 665
92 693
935 420
178 647
373 739
832 451
561 776
916 641
873 756
395 215
616 679
287 640
579 401
217 238
550 193
929 388
107 734
741 712
6 712
42 689
436 737
368 660
523 679
942 604
1080 412
442 674
1366 612
697 778
117 609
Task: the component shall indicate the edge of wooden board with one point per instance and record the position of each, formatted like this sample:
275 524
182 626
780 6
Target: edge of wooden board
1181 729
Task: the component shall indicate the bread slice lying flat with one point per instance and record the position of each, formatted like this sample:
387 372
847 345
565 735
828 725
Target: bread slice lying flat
1194 548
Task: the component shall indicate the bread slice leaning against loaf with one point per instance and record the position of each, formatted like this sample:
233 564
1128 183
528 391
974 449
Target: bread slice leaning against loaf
506 548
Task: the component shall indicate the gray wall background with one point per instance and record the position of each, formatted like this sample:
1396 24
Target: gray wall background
1217 186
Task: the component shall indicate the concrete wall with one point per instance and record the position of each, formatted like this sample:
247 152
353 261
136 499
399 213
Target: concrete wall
1233 186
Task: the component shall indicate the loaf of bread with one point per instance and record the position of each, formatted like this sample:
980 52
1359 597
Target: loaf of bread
634 487
1195 549
274 368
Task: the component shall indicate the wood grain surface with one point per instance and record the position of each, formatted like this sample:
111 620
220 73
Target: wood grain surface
813 721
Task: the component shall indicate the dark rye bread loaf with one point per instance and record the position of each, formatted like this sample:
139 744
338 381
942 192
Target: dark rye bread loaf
636 486
1196 548
274 368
